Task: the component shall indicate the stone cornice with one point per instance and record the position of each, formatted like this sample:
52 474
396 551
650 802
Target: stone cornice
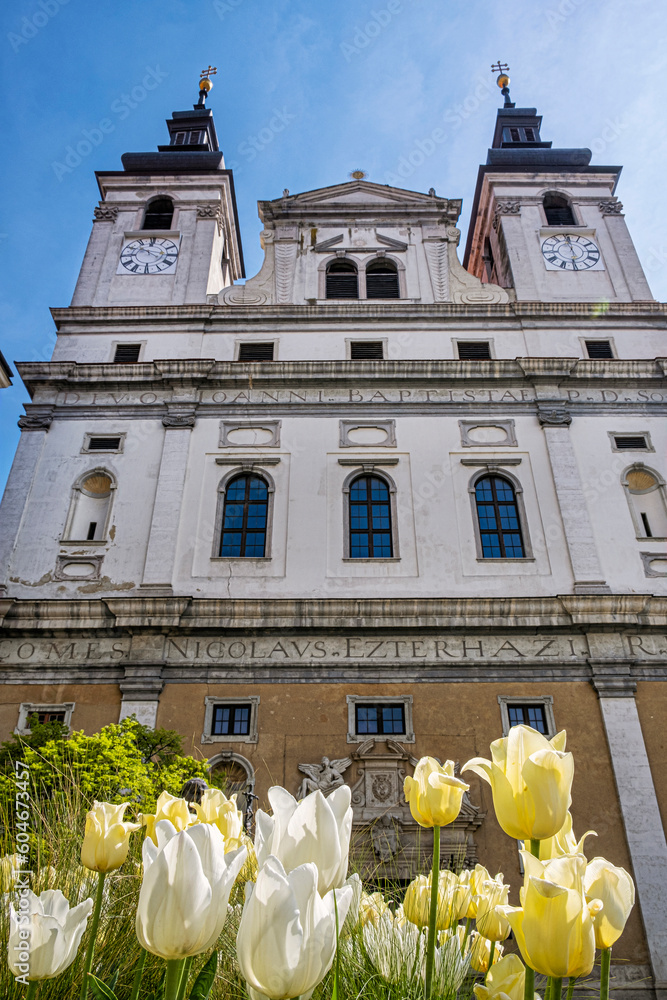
600 612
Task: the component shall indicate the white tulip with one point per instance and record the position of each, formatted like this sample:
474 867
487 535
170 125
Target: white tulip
287 936
185 889
315 829
45 934
449 966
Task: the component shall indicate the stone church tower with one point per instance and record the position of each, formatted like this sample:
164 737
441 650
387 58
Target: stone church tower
374 503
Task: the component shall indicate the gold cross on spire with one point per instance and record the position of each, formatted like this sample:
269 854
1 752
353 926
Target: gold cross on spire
499 67
207 73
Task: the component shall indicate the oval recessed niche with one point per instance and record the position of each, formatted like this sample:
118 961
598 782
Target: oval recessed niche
487 435
250 435
367 435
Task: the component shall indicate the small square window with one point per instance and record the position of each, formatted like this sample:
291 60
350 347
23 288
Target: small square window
230 720
381 717
127 354
631 442
99 442
528 715
256 352
45 714
366 350
528 711
474 350
599 349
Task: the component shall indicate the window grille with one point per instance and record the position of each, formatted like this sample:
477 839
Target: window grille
474 350
245 517
498 516
342 280
370 519
382 281
630 442
380 719
528 715
599 349
159 214
103 444
366 350
558 210
231 720
127 353
256 352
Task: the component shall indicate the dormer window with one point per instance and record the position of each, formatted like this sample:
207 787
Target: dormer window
342 280
159 214
558 210
382 280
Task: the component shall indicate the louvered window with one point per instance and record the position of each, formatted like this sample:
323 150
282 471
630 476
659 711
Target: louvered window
630 442
474 350
558 210
256 352
127 354
599 349
366 350
381 281
342 280
103 444
159 214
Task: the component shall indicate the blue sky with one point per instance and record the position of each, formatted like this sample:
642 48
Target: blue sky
352 84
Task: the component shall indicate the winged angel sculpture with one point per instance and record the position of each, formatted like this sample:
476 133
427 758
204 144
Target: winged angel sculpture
324 776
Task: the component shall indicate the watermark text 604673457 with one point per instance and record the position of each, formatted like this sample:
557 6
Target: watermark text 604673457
21 875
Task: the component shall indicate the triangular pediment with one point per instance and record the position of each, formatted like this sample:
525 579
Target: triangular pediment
358 192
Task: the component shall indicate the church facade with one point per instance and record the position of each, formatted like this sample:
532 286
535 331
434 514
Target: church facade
373 503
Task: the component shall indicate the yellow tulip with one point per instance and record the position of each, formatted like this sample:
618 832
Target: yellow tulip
106 840
371 908
216 808
530 778
616 889
434 794
491 920
564 841
479 952
417 902
554 926
169 807
505 980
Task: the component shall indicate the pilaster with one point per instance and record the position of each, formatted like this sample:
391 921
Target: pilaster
141 689
34 427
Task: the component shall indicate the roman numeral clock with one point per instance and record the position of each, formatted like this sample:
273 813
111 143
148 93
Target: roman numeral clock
149 255
571 252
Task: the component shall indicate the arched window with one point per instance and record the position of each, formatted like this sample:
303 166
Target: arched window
342 280
91 505
370 519
558 210
647 502
382 280
498 518
159 214
245 517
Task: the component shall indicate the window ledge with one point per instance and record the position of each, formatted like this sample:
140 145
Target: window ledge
380 737
653 538
84 541
523 559
234 738
246 559
380 559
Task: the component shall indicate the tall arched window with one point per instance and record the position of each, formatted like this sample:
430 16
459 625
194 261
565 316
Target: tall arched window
382 280
558 210
370 519
244 517
159 214
91 505
342 280
498 518
647 502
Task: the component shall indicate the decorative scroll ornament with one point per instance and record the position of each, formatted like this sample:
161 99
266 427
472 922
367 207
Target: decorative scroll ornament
436 255
323 777
105 213
285 265
35 421
505 208
211 212
554 416
611 206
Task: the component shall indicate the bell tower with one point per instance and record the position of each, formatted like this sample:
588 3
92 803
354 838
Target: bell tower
545 222
166 229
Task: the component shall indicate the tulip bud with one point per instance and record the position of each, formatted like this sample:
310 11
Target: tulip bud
434 794
505 980
531 779
564 842
10 867
417 902
371 907
491 920
185 889
286 940
216 808
615 888
479 952
106 840
54 934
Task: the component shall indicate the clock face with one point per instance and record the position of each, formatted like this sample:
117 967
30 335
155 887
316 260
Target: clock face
570 252
148 255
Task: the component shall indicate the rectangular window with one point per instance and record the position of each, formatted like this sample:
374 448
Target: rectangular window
103 444
528 715
599 349
127 354
383 719
366 350
474 350
255 352
630 442
44 714
530 134
230 720
196 138
44 717
514 133
180 138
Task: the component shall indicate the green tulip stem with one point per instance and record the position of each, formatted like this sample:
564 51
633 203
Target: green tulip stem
556 988
185 975
336 984
535 848
97 909
529 986
548 988
433 915
466 934
491 953
32 989
172 983
138 974
570 987
605 968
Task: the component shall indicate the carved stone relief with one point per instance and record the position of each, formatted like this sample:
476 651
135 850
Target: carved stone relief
105 213
285 256
611 207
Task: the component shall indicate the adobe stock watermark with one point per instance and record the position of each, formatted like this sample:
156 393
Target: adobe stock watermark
224 7
31 26
364 34
559 13
21 883
76 152
255 144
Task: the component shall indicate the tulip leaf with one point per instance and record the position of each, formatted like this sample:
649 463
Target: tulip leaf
100 989
204 981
